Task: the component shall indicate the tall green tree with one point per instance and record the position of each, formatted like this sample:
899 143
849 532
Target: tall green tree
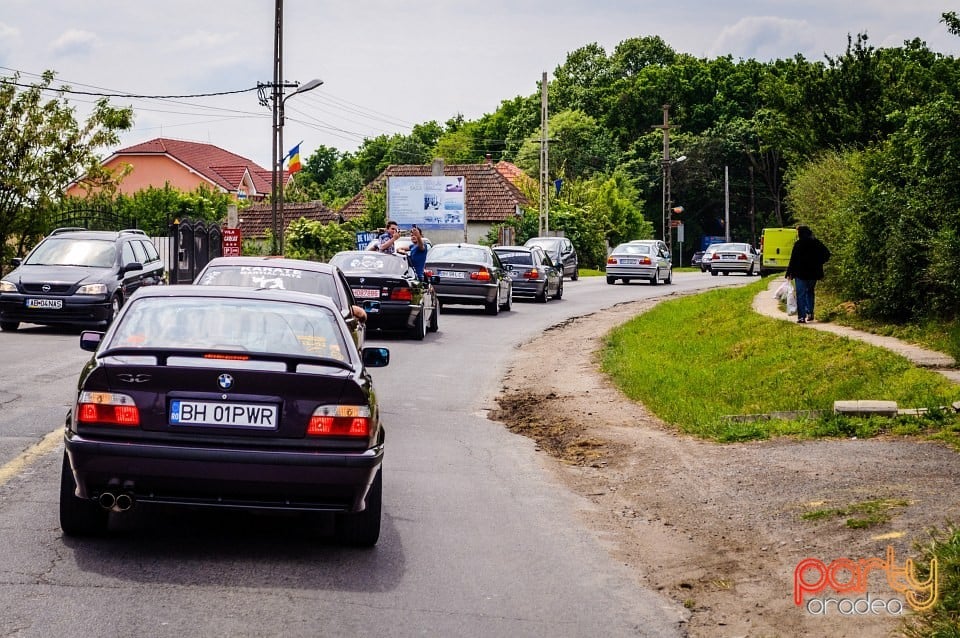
43 148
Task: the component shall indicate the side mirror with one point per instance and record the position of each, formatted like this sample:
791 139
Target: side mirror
371 307
16 261
375 357
90 340
132 266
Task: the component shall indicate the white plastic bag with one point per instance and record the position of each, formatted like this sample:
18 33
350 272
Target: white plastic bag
791 301
782 291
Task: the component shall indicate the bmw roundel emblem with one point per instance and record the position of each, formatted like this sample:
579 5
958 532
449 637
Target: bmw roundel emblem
225 381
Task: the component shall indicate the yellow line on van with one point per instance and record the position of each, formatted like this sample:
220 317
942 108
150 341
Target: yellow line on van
31 454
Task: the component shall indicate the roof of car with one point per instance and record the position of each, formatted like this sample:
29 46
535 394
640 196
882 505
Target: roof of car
83 233
272 262
235 292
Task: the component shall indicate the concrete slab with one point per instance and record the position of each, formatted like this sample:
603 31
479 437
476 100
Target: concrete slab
865 408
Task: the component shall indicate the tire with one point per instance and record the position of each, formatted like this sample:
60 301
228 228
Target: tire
419 329
508 304
542 298
750 272
713 272
655 280
78 517
492 307
434 324
576 274
559 290
9 326
611 280
669 277
362 529
726 272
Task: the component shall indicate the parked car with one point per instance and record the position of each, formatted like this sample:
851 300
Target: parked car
405 302
561 252
707 258
225 397
78 277
697 260
532 272
290 274
469 274
734 257
639 260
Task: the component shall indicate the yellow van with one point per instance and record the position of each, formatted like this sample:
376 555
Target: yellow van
776 244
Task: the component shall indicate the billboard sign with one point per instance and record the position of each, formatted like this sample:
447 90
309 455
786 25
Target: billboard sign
431 203
232 242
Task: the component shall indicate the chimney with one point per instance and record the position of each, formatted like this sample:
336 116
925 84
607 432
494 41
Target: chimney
489 158
436 169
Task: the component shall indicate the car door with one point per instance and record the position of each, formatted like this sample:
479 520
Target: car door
504 283
131 280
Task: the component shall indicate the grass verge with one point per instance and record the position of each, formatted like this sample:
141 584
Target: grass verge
943 619
697 359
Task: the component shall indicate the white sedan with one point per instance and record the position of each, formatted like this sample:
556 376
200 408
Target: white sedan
733 257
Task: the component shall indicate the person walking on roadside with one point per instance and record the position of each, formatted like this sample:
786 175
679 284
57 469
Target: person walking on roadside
806 269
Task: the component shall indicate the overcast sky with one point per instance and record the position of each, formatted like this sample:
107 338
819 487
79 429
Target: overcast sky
390 64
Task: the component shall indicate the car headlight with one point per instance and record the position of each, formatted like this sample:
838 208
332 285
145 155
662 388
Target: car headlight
92 289
7 286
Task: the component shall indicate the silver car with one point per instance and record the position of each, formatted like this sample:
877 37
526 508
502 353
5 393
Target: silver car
733 257
639 260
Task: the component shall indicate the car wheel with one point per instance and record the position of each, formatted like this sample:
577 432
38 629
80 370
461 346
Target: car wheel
492 307
78 517
656 277
575 275
508 305
713 272
419 329
669 277
9 326
434 324
726 272
611 280
750 272
542 297
362 529
559 290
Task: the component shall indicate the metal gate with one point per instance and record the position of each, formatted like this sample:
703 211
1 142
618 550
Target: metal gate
193 243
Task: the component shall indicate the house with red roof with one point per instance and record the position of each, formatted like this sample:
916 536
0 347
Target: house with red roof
185 166
493 194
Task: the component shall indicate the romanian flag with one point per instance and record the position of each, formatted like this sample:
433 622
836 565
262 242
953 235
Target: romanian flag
294 165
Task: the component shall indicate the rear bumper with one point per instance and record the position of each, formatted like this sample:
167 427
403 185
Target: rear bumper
633 272
527 288
731 266
224 477
467 294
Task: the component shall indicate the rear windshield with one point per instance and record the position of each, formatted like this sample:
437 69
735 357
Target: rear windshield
93 253
519 258
247 325
459 253
318 283
633 249
370 262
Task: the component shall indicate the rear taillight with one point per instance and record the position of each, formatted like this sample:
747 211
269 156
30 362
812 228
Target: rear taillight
645 260
481 275
715 256
532 274
427 273
741 257
611 260
340 420
401 294
107 408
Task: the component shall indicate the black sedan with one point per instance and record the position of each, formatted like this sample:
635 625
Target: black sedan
289 274
225 397
469 274
532 272
406 303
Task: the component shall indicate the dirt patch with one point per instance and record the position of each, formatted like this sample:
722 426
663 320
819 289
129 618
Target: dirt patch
719 528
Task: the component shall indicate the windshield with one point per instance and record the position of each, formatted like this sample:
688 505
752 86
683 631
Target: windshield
318 283
515 257
249 325
93 253
370 263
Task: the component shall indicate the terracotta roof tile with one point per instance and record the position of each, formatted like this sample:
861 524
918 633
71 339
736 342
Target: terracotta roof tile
492 194
221 167
255 220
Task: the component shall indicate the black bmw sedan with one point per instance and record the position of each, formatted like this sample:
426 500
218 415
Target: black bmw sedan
225 397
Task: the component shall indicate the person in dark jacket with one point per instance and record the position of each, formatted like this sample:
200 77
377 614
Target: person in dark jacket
806 269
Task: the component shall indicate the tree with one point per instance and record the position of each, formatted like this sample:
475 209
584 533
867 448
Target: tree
43 148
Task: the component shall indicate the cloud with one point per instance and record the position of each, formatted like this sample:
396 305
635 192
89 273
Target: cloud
74 42
764 38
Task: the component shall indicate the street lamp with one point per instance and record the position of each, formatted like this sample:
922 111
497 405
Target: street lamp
277 178
668 162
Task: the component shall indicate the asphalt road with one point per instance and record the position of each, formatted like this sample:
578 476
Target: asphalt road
478 539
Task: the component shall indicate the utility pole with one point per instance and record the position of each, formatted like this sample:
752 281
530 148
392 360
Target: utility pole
277 175
726 202
544 225
667 204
